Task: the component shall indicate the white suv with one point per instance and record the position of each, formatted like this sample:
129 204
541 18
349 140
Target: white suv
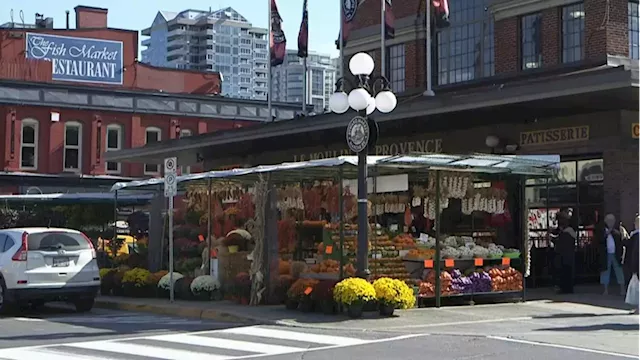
46 264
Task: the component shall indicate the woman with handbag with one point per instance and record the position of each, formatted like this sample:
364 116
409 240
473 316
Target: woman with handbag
610 243
632 264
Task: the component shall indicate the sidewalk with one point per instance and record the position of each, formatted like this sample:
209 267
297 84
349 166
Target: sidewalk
541 303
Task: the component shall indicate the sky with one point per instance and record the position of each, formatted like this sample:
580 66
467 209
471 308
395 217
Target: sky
137 14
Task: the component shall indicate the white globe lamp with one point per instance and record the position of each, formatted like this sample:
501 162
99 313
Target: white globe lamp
371 105
386 101
361 64
492 141
339 102
359 99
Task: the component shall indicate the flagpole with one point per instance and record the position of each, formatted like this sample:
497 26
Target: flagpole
269 80
340 40
383 37
429 90
304 86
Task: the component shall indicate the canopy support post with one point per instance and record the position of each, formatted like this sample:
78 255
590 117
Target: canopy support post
437 261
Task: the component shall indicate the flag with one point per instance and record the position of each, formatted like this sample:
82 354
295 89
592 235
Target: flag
441 13
303 34
277 40
389 21
349 8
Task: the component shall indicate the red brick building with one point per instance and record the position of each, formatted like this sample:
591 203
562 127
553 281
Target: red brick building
67 96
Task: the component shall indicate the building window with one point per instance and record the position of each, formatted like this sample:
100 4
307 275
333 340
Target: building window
531 41
114 143
634 32
396 67
72 146
465 49
573 33
184 170
152 135
29 145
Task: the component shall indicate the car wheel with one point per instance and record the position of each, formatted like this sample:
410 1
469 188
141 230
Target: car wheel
4 301
84 304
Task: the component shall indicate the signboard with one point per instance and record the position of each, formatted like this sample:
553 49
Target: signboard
635 131
78 59
358 134
554 136
170 183
428 146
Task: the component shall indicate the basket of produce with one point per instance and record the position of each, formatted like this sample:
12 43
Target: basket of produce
511 253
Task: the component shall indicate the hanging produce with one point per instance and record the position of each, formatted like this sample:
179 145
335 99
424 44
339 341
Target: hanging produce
312 202
286 235
290 197
246 206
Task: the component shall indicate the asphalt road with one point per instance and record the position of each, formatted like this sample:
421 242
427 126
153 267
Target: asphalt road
61 334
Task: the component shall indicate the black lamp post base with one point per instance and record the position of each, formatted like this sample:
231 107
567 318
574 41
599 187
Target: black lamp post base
364 274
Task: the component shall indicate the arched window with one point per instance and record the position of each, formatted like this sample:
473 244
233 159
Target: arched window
153 134
114 143
29 144
72 157
184 170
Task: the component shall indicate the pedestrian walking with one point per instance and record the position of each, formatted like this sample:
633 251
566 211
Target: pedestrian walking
565 252
632 265
610 246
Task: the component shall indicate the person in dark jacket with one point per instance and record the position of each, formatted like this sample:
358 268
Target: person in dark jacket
610 250
565 251
634 249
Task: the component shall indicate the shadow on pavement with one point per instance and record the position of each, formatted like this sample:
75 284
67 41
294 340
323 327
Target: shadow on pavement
583 294
50 336
575 316
597 327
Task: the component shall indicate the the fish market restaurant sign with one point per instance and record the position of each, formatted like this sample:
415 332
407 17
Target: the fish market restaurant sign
78 59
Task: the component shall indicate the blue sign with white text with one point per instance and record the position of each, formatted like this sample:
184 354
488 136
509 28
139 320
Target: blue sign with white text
78 59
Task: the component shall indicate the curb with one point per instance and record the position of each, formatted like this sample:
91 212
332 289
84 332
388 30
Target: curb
189 312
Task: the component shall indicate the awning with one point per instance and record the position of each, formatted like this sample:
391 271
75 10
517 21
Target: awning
527 165
80 198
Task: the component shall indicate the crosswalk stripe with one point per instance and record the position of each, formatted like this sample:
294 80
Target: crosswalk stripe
228 344
29 354
151 351
295 336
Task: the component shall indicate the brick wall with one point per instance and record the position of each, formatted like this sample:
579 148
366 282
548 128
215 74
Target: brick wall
506 46
551 33
621 184
88 17
606 28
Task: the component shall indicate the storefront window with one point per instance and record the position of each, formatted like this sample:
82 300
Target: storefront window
577 185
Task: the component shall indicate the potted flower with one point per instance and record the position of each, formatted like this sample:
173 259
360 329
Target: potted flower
242 287
117 281
284 284
106 281
354 293
164 284
135 282
393 294
206 287
299 295
322 296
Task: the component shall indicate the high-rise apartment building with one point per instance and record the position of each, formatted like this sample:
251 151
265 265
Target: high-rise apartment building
221 40
288 83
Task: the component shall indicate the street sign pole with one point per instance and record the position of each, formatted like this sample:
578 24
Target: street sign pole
170 190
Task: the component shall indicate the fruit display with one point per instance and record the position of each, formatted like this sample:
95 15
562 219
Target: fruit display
481 281
460 283
508 279
421 254
330 266
404 242
427 287
389 267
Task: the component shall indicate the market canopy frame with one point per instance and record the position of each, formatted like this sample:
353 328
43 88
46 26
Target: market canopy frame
524 165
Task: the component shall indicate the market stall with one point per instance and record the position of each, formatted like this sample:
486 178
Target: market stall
457 216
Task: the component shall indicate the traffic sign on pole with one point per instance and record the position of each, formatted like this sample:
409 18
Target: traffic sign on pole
170 183
170 190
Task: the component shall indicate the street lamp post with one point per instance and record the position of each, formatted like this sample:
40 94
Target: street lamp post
362 132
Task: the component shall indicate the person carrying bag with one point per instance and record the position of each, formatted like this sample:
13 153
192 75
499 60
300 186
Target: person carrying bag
633 290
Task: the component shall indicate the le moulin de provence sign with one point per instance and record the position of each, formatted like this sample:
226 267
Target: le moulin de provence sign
78 59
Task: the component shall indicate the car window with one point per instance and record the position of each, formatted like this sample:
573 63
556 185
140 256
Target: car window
8 244
52 241
3 238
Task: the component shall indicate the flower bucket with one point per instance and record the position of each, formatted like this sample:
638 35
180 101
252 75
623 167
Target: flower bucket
386 310
328 307
244 301
233 249
306 306
355 311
